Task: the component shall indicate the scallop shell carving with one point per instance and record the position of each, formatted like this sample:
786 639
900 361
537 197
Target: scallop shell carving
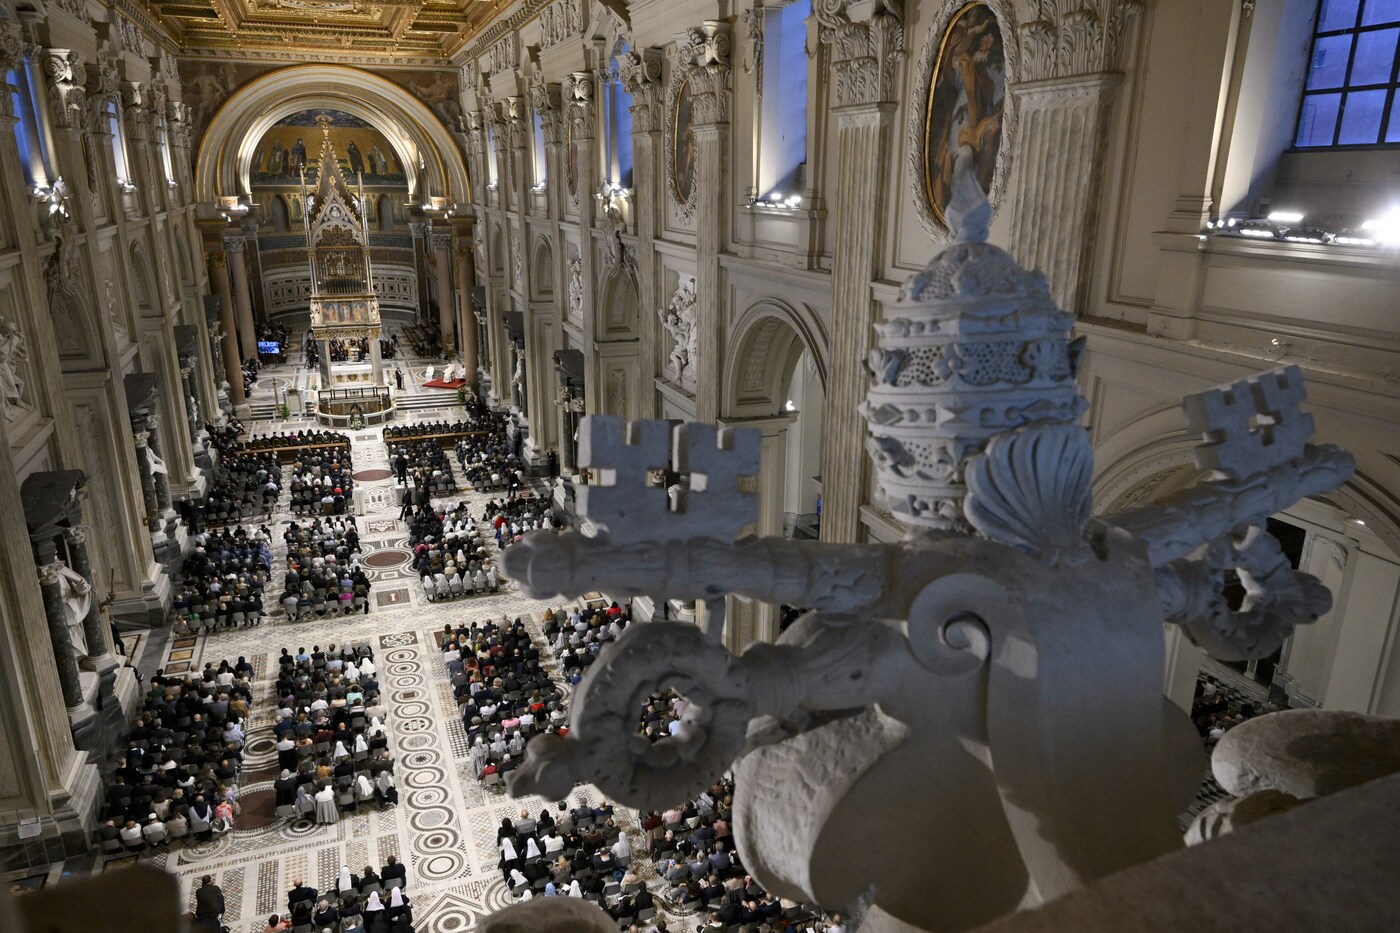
1030 490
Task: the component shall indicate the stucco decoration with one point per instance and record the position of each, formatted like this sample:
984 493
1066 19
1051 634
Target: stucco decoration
937 692
919 159
678 320
576 288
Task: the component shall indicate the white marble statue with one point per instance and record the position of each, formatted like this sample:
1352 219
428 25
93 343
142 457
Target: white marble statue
678 319
972 719
77 600
13 354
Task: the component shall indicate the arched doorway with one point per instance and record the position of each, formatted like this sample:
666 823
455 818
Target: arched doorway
775 382
1349 659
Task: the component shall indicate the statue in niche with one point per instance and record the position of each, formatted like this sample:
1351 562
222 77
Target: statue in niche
939 685
575 286
77 600
14 356
678 318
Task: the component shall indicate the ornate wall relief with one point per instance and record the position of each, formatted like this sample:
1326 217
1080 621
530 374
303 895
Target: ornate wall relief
576 289
16 398
678 320
962 108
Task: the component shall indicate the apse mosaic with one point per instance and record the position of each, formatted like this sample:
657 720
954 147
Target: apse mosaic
291 148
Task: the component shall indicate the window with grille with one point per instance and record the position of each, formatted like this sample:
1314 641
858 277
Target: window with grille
1349 96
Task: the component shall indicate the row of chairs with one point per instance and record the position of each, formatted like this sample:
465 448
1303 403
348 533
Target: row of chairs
457 587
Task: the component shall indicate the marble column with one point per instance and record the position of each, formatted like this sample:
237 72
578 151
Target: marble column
641 76
191 406
148 486
228 342
50 584
419 231
442 259
747 621
864 58
94 628
159 480
708 75
235 247
466 275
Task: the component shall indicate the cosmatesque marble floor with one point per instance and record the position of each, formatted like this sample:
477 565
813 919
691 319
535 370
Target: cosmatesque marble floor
444 826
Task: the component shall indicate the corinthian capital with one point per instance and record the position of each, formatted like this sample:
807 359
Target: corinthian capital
867 45
702 58
64 79
1066 39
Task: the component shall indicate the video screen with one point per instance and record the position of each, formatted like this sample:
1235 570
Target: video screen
269 346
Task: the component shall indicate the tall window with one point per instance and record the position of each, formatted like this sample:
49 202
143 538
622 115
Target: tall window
1349 98
114 126
541 165
782 153
28 135
619 148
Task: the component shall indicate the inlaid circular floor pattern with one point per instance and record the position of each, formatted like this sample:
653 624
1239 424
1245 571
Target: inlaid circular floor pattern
369 476
391 557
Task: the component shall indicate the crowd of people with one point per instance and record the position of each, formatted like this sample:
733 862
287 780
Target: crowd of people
222 580
490 461
224 437
422 466
246 484
692 848
429 429
516 514
578 635
280 439
324 573
504 696
449 555
321 482
332 743
179 774
370 902
1218 707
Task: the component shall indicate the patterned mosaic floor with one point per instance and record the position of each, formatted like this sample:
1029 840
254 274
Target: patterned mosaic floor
444 827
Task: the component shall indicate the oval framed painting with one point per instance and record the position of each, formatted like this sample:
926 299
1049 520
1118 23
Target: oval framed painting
965 112
680 146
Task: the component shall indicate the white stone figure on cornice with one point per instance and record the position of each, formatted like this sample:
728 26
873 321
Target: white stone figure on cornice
940 683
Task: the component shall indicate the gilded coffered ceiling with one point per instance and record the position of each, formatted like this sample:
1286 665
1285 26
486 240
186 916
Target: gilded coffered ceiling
415 29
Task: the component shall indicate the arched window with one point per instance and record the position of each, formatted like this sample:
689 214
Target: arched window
1349 96
541 164
619 136
782 156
